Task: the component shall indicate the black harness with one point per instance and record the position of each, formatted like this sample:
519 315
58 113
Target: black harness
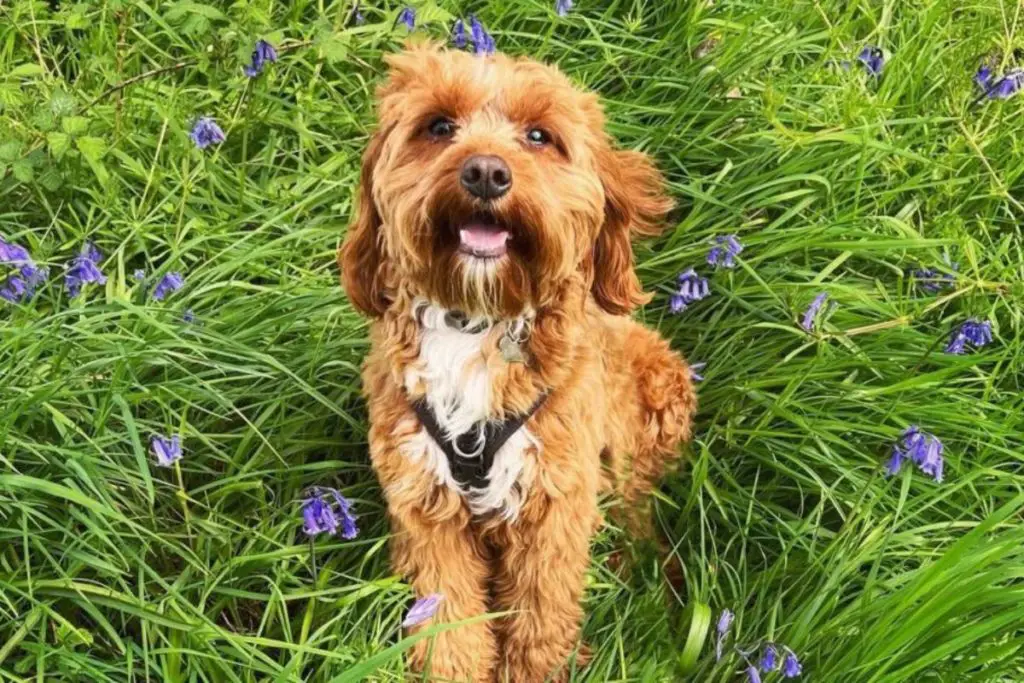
483 441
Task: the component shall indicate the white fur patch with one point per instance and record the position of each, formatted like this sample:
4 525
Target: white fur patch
453 371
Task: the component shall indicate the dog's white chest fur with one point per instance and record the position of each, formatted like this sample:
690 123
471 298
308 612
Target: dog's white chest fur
454 373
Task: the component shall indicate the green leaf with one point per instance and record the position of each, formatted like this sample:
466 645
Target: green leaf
70 636
61 103
75 125
22 170
58 143
92 148
76 17
10 151
50 179
185 8
334 47
25 70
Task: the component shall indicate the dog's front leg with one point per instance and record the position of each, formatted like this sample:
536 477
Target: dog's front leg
442 556
540 582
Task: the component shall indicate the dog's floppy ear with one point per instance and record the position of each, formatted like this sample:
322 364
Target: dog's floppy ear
361 256
635 205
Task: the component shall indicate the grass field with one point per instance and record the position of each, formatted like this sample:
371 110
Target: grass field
837 181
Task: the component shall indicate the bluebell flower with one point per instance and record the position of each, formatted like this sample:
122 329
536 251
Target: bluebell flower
263 52
695 369
459 33
722 628
422 610
326 510
895 462
692 287
206 132
139 275
166 450
983 77
13 253
769 659
752 675
169 283
188 316
26 276
978 333
931 281
483 43
33 276
84 269
408 17
921 448
791 666
562 7
725 251
14 289
811 314
873 59
1007 86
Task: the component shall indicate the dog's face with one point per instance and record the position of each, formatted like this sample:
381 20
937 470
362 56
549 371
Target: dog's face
490 183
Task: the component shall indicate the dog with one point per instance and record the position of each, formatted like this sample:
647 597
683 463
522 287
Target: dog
507 386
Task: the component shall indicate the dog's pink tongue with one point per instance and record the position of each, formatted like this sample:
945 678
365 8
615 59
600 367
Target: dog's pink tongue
482 239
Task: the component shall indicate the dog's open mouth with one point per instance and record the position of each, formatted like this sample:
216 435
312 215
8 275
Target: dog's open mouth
482 237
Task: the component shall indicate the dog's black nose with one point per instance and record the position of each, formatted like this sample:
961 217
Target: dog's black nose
486 176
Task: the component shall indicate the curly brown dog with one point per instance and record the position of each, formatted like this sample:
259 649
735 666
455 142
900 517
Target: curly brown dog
507 386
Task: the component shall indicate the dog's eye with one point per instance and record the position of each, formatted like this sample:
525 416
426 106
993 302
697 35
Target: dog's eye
441 127
538 136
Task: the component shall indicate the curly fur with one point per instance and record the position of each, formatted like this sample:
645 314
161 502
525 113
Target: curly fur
615 391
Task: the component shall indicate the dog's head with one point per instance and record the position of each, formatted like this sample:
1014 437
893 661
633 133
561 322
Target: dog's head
489 183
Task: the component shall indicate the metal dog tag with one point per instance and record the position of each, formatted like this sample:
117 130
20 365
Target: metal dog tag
510 349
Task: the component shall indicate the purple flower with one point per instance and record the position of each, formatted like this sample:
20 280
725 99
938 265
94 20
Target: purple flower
752 675
921 448
483 43
169 283
695 369
873 59
326 510
206 132
13 253
20 284
422 609
770 659
263 52
167 451
977 332
562 7
811 314
459 33
139 275
724 624
983 77
84 269
931 281
725 251
692 287
407 17
791 666
1007 86
14 289
895 462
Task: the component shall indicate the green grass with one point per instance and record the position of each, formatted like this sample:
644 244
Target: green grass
114 570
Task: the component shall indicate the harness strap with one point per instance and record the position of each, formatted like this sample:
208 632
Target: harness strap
473 471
